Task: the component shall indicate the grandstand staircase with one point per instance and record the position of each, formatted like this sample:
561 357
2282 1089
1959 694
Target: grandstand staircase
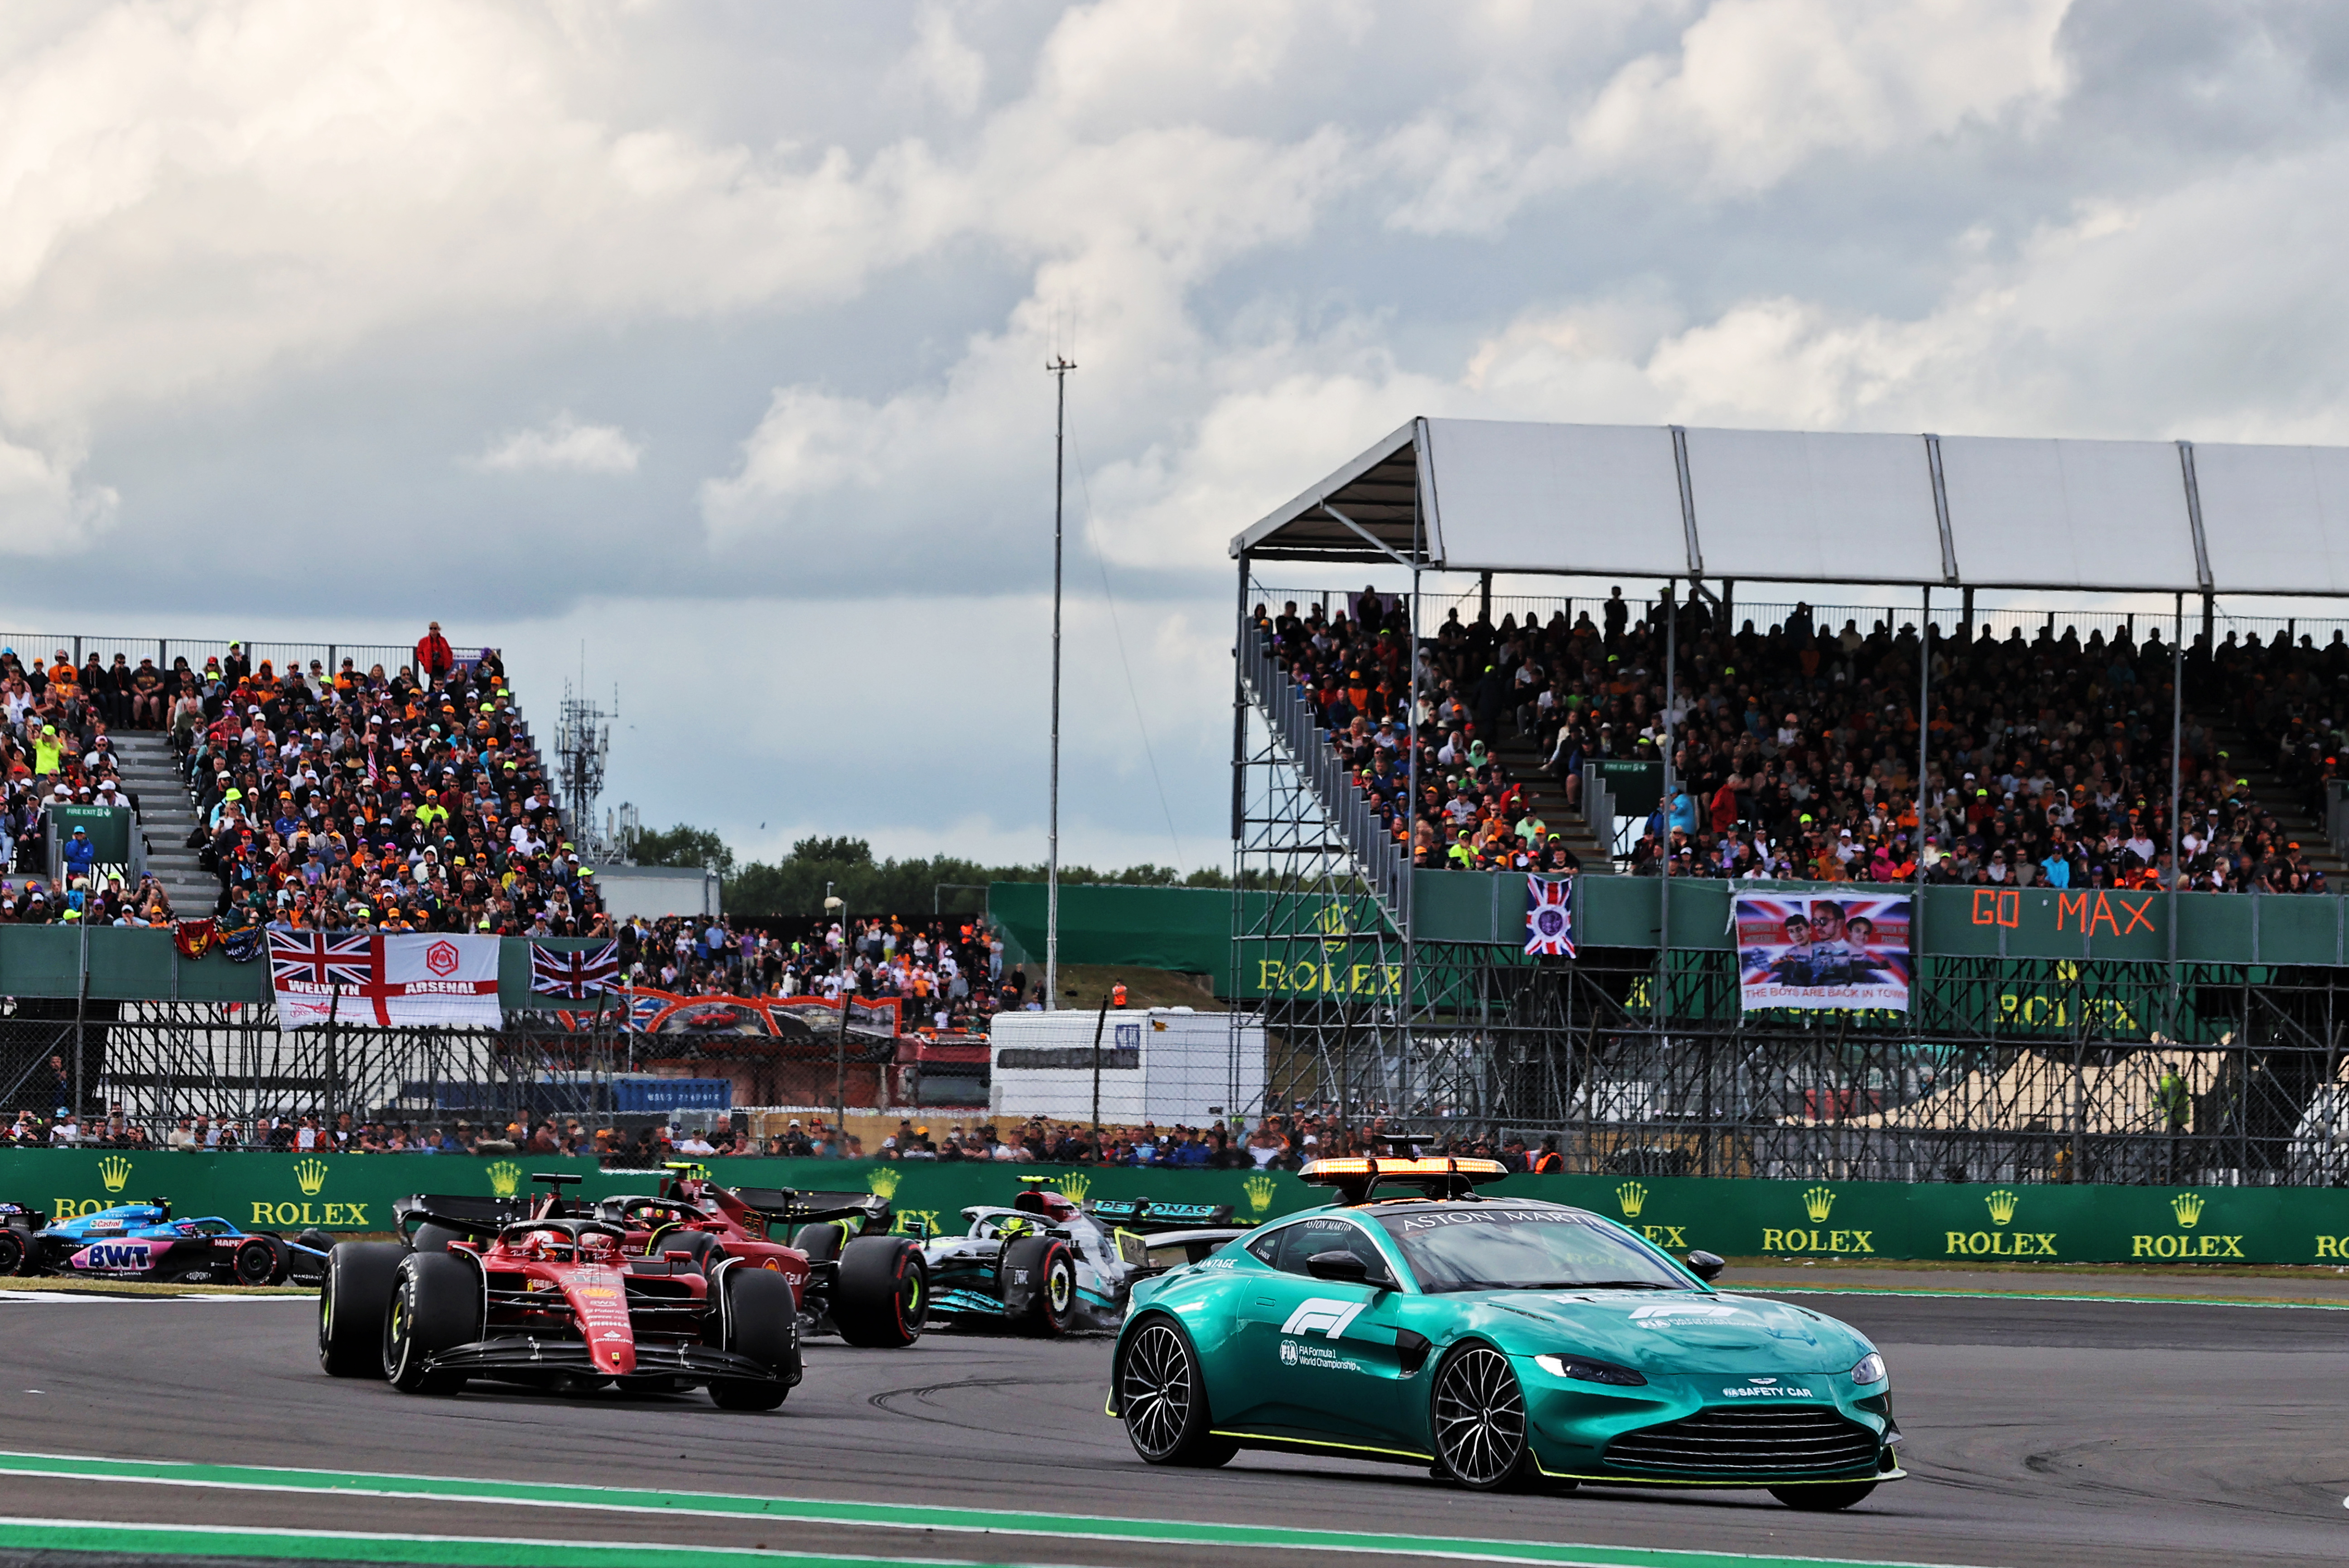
2275 797
166 815
1522 761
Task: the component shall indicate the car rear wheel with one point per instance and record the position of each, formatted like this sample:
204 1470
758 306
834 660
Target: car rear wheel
882 1294
1045 1268
259 1261
354 1294
1479 1420
1164 1399
701 1246
430 1238
763 1324
16 1249
1825 1498
436 1305
822 1240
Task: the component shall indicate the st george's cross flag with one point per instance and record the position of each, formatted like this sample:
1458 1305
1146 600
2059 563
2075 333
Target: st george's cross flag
397 980
1548 927
577 974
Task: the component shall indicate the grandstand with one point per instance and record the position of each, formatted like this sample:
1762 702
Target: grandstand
1404 748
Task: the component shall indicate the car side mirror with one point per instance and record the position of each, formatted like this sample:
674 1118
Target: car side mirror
1348 1268
1706 1266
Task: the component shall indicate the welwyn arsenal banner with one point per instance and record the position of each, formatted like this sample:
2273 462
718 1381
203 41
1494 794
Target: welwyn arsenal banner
1824 951
403 981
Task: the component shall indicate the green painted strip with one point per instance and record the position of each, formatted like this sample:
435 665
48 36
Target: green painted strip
884 1515
2037 1296
347 1546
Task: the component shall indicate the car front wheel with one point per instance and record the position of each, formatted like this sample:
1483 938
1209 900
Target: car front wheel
1164 1399
1479 1420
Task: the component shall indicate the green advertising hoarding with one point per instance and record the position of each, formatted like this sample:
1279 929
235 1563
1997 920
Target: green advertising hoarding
1850 1220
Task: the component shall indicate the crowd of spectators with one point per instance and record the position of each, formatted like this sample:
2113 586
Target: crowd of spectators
411 801
1796 749
56 750
948 974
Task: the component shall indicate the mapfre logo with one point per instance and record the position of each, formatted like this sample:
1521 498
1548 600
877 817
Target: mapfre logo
441 958
1323 1315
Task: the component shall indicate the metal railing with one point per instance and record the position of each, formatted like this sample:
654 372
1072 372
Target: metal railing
30 646
1384 863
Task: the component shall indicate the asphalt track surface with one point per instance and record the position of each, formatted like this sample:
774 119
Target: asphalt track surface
2040 1432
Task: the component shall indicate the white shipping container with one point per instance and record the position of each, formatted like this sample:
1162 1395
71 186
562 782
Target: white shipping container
1164 1064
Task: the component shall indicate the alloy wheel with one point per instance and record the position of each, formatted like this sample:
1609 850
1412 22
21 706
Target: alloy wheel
1156 1390
1480 1418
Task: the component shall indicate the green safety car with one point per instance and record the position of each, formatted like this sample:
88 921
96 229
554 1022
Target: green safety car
1500 1341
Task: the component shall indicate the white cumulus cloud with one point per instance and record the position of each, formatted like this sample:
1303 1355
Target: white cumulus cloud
563 444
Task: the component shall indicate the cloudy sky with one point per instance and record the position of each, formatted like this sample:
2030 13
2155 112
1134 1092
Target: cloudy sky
700 347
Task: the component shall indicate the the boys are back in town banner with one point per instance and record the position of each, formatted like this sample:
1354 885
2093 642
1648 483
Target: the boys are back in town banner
1823 951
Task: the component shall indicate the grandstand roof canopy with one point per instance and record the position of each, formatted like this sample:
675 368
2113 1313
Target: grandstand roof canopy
1798 506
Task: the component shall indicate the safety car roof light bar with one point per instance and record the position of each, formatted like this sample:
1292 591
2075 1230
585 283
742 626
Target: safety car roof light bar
1440 1176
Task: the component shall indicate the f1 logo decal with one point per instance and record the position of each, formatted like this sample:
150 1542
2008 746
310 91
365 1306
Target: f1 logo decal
1330 1317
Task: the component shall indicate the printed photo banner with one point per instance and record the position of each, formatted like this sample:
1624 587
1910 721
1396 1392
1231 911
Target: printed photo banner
794 1026
1549 924
1823 951
400 981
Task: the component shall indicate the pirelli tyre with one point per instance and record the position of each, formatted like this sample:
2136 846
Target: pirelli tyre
261 1261
822 1240
881 1296
16 1249
354 1294
701 1247
430 1238
1039 1284
763 1322
436 1305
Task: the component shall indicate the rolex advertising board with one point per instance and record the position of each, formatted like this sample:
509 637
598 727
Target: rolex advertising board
1735 1216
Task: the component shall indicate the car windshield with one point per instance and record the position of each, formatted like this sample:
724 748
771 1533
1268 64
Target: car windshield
1499 1246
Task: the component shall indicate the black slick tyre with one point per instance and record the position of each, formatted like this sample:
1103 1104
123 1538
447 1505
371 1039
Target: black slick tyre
762 1323
702 1247
1045 1268
1824 1497
1477 1420
259 1260
881 1297
436 1305
354 1294
16 1249
1162 1398
821 1242
430 1238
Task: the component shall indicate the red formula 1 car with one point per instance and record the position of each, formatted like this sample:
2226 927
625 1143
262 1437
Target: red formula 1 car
849 1275
555 1301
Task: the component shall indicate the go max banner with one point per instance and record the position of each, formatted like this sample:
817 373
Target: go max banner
1823 951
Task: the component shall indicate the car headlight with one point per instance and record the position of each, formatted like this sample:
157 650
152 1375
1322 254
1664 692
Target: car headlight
1869 1370
1584 1370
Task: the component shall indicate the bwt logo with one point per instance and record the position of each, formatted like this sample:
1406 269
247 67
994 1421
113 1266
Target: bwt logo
1320 1312
115 1171
441 958
311 1175
116 1255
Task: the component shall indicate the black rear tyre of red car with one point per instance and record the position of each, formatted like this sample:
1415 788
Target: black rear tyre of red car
436 1305
763 1322
354 1293
821 1241
882 1298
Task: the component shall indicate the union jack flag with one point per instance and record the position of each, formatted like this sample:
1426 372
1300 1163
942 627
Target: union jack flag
577 975
1548 927
644 1006
317 958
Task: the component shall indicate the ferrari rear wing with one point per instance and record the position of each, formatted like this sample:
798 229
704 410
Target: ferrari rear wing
464 1213
785 1205
1144 1214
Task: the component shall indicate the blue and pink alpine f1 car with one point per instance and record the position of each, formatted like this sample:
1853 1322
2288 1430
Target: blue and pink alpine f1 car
143 1241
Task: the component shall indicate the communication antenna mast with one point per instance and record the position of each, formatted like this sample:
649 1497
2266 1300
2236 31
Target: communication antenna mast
583 745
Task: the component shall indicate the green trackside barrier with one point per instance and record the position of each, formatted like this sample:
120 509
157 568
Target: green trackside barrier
1892 1221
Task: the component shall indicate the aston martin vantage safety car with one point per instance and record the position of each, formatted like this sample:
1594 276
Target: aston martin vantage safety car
1047 1265
143 1241
557 1303
1500 1341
